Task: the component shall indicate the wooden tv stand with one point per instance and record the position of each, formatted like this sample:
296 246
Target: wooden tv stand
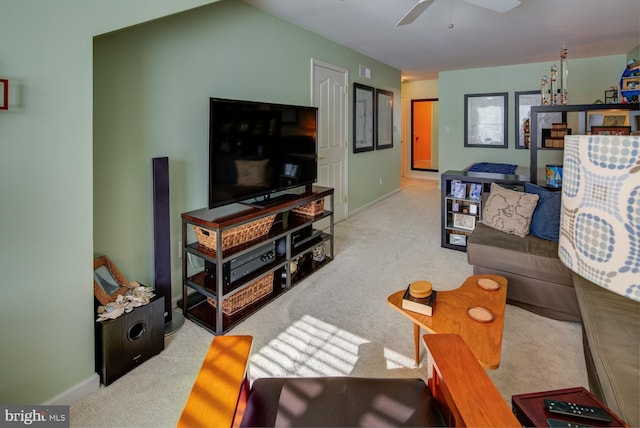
199 286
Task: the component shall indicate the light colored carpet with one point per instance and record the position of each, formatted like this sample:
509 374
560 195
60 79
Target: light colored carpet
337 322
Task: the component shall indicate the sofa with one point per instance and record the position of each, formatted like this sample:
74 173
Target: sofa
539 282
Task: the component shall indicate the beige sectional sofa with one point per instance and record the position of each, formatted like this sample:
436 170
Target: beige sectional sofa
539 282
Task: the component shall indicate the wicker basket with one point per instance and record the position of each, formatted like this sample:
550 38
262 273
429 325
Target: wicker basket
256 291
235 236
311 209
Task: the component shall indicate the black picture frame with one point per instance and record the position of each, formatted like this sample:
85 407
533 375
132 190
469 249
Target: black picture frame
524 100
485 120
384 119
363 118
610 130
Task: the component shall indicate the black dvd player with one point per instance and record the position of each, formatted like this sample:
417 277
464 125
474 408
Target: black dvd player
245 264
305 236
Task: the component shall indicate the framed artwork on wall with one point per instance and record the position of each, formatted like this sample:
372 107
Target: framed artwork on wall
363 119
4 94
384 119
485 120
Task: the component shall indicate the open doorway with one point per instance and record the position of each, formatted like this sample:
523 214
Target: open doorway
424 134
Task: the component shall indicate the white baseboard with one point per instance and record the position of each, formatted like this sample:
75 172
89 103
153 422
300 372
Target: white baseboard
76 392
424 175
372 203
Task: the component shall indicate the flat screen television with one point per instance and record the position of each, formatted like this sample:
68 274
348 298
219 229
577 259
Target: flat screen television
257 149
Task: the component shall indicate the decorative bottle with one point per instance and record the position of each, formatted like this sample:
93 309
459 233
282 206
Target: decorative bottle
554 85
564 76
544 92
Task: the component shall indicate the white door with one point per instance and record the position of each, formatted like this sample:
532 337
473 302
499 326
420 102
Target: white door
330 95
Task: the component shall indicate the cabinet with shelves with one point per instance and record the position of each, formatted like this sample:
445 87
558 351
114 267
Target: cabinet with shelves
222 286
463 193
584 111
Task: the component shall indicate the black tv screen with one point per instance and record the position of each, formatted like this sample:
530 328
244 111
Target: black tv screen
256 149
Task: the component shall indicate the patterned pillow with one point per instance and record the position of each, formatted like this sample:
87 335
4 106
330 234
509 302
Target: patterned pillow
509 211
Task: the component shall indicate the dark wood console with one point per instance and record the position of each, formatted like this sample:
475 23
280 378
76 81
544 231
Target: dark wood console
281 258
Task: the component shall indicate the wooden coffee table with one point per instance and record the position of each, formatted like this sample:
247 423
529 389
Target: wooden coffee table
450 316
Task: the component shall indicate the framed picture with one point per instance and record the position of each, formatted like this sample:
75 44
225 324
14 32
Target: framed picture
458 189
485 120
610 130
4 94
363 97
455 239
614 119
524 101
384 119
463 221
108 282
475 190
607 118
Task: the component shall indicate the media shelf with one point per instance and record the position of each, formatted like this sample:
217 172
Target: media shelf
583 112
268 259
461 211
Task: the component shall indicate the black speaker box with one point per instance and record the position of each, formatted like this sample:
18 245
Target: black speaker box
162 233
129 340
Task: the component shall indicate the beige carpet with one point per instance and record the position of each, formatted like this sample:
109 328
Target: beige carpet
337 322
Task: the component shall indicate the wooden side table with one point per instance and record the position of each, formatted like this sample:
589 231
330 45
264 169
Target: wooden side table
450 316
530 409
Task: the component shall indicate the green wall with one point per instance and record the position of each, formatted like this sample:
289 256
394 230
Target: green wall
588 79
152 85
46 216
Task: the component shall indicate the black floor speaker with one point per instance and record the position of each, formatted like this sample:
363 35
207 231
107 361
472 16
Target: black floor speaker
162 241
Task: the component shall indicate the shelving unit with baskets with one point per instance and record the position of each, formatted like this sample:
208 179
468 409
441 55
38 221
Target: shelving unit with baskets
263 252
462 197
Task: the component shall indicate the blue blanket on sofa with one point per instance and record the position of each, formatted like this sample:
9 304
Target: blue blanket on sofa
496 168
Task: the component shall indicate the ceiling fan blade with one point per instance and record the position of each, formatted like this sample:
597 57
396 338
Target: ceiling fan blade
411 16
500 6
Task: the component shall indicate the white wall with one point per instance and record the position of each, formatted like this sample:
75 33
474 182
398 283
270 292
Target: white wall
46 246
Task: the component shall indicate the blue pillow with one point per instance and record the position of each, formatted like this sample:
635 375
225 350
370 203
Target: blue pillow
545 222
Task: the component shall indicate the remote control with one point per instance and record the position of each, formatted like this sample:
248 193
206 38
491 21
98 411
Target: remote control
557 423
577 410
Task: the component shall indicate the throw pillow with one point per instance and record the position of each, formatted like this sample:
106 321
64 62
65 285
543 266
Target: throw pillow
509 211
545 223
252 172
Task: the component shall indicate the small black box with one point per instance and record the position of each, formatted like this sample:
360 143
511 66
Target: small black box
129 340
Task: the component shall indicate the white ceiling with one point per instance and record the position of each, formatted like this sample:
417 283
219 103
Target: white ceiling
532 32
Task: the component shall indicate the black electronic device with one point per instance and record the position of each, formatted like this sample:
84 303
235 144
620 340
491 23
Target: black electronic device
257 149
557 423
245 264
304 236
131 339
577 410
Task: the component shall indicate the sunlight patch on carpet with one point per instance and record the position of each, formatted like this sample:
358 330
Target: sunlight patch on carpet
312 347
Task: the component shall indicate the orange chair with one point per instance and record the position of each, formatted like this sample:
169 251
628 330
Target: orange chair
458 393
